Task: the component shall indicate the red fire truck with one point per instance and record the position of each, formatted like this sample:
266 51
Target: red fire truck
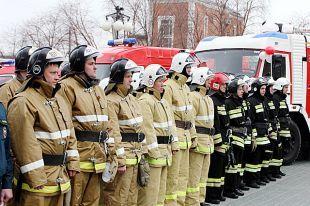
142 55
276 53
6 70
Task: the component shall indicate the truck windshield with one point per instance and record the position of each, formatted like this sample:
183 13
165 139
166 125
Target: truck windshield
103 71
233 61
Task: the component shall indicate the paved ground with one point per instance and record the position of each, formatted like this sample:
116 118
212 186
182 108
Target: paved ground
291 190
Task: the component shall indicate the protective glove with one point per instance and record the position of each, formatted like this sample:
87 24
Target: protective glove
253 144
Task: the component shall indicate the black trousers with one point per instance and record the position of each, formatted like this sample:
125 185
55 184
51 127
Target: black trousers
216 176
253 164
267 157
232 175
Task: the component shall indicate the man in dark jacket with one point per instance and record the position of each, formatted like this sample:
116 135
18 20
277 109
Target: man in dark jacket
6 168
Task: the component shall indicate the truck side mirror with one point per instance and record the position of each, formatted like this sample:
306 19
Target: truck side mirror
278 66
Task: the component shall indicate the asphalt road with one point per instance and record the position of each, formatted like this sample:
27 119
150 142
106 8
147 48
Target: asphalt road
291 190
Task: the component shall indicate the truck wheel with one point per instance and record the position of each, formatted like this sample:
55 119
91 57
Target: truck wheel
291 148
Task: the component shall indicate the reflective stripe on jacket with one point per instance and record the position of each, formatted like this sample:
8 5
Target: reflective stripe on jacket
90 113
158 121
40 124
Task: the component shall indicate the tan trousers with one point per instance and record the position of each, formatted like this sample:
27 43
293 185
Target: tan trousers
123 191
86 189
195 169
177 178
154 193
204 177
30 199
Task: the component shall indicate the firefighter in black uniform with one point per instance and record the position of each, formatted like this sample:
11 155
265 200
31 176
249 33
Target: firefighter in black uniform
259 123
274 127
215 183
279 97
249 132
237 120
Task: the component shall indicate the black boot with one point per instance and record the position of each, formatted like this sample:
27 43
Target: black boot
213 201
271 178
244 188
222 198
277 176
282 174
239 192
253 185
204 204
231 195
261 183
264 179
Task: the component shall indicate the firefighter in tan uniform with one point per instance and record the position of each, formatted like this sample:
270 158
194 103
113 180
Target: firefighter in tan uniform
125 118
160 133
8 90
42 132
199 158
90 119
177 95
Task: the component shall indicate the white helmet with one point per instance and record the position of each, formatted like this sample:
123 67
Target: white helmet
181 60
151 73
200 75
271 81
280 83
136 79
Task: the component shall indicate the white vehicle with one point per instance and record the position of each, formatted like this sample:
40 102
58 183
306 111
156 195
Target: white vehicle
270 53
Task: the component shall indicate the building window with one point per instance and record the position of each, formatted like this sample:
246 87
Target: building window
165 31
205 26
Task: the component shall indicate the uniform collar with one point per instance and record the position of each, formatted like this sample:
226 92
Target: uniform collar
202 90
179 78
83 79
122 90
19 78
154 92
45 88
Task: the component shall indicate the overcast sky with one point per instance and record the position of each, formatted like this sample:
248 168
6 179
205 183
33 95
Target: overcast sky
14 12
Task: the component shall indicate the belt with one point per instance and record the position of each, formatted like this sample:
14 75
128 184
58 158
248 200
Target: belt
164 139
204 130
132 137
242 130
262 125
183 124
284 119
91 136
54 160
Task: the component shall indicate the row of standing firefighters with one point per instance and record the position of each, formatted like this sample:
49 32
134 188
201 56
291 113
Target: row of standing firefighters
189 139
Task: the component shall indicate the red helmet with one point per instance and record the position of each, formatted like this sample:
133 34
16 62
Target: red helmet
218 79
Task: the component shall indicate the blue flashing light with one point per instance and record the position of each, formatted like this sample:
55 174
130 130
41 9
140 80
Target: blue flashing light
127 41
7 62
272 34
210 38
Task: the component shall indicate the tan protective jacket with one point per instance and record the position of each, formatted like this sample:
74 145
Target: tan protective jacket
125 117
203 111
40 124
177 95
158 121
8 91
90 113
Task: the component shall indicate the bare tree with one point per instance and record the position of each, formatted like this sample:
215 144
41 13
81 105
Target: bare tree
62 27
300 22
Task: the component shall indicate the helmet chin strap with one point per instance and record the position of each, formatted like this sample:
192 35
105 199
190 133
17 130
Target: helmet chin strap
185 73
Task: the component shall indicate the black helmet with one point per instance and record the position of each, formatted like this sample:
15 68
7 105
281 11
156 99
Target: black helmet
65 68
22 58
258 83
120 67
234 84
78 56
41 57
